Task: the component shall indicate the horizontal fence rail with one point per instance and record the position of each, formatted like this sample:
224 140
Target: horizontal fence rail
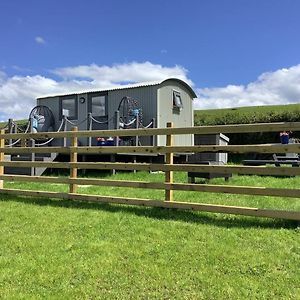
260 148
228 169
243 128
246 211
262 191
168 167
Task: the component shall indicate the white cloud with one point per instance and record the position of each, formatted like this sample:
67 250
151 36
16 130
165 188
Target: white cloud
279 87
20 69
122 73
2 77
40 40
18 93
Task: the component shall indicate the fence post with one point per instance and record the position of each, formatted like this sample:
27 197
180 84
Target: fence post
153 137
73 159
2 144
90 128
113 157
65 126
117 126
137 121
23 141
10 130
32 145
169 160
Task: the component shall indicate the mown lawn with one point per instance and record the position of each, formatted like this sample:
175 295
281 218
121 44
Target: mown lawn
65 250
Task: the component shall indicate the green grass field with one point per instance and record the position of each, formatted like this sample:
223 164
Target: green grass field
66 250
251 114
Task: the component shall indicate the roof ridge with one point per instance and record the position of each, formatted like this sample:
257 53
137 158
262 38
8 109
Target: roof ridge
112 88
121 87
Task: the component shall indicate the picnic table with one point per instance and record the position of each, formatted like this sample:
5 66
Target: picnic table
277 161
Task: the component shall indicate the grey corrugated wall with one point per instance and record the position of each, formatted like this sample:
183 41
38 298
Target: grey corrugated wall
146 97
156 102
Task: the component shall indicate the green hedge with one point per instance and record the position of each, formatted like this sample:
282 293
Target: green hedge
250 115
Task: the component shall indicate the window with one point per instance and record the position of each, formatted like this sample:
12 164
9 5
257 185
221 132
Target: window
69 107
98 106
177 102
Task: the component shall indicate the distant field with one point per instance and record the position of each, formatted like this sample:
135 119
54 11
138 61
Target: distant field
19 122
251 114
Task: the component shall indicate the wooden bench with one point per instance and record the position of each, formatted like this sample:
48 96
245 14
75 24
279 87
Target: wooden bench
277 163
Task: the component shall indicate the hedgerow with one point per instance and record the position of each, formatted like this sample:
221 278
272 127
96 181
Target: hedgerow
250 115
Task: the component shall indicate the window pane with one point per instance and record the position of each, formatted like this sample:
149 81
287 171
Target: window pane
68 108
177 102
98 106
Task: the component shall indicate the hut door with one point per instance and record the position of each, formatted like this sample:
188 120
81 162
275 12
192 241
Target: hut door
97 106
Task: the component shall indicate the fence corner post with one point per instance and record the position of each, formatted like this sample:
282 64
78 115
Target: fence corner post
169 161
73 159
2 144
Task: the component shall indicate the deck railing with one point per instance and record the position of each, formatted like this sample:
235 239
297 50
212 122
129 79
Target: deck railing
168 167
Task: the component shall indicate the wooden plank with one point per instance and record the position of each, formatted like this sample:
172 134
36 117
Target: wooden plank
2 142
228 169
29 150
242 190
169 160
26 164
277 163
246 211
263 148
85 181
26 178
73 159
239 128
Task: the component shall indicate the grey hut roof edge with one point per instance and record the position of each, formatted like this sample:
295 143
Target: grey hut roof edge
130 86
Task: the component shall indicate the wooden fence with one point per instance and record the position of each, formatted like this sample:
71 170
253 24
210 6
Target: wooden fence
168 167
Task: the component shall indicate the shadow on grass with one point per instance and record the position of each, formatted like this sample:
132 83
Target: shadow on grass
220 220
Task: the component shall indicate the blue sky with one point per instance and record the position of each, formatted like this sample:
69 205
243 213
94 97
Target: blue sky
233 52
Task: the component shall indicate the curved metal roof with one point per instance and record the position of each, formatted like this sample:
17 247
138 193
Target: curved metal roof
129 86
188 87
